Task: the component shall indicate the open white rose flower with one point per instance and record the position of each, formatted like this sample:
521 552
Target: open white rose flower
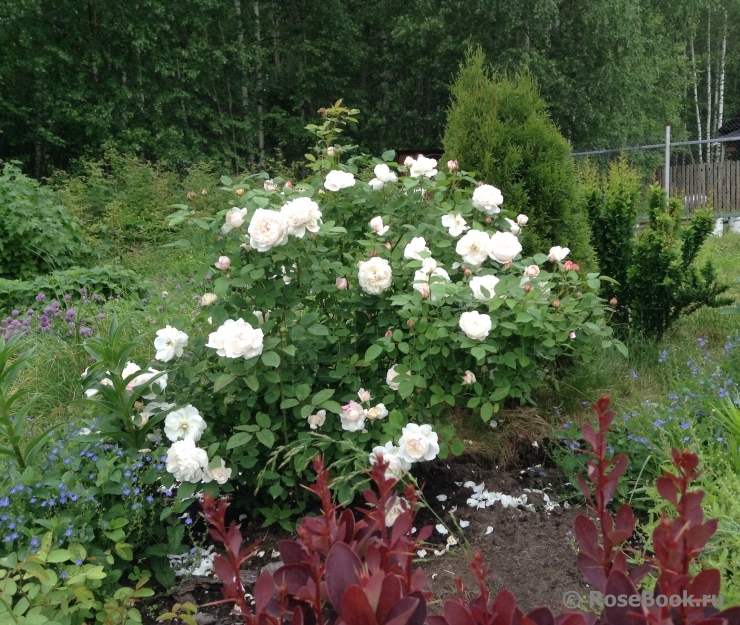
170 343
208 299
513 227
474 247
469 377
301 214
558 253
522 220
383 174
184 423
186 462
504 247
376 223
397 466
488 199
532 271
145 377
316 420
414 248
337 179
455 224
428 274
353 417
423 166
391 378
236 339
376 412
418 442
487 282
475 325
220 474
234 219
267 229
375 275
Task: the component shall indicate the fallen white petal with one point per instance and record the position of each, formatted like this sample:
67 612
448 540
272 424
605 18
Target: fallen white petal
464 524
422 553
441 528
489 530
441 497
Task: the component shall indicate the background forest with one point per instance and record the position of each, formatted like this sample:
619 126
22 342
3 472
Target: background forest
235 81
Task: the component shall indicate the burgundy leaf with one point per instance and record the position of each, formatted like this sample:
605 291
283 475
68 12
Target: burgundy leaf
640 571
297 617
504 605
264 589
342 571
411 610
697 536
730 615
574 618
291 551
707 582
356 608
626 520
391 593
437 620
592 571
419 580
587 535
585 488
424 533
372 559
620 584
292 576
589 435
346 526
667 490
542 616
224 570
458 614
619 562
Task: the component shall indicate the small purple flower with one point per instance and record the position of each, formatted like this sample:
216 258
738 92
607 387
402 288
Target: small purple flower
685 426
208 276
15 312
634 374
701 342
40 297
67 297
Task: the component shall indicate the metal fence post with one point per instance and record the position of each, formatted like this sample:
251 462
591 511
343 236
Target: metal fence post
667 168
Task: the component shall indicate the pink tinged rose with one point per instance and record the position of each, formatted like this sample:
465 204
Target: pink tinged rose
364 396
409 161
453 165
341 284
288 184
572 335
557 254
316 420
532 271
469 378
353 417
376 223
522 220
269 185
418 442
223 263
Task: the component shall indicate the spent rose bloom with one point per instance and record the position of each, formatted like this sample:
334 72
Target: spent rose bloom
557 253
376 223
474 247
236 338
532 271
455 224
337 179
475 325
234 218
301 214
383 174
504 247
186 462
397 466
513 227
223 263
220 474
375 275
453 165
316 420
414 248
391 378
418 442
400 505
341 284
376 412
486 282
469 378
208 299
353 417
364 396
170 343
488 199
522 220
423 166
267 229
184 423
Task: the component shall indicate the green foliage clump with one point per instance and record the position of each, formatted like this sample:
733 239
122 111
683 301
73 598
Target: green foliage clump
106 280
500 128
658 279
36 233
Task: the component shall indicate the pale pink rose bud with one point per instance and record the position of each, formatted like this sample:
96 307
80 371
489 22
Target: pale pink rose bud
288 184
468 271
342 284
424 291
469 378
204 192
613 302
364 396
138 405
219 237
311 236
223 263
388 245
388 333
484 369
568 265
331 151
269 185
572 335
373 253
576 267
507 264
452 165
521 220
191 195
240 192
532 271
322 192
527 288
488 220
556 303
410 323
409 161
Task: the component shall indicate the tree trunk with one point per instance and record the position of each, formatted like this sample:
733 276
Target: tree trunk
275 18
244 85
721 95
696 100
709 86
258 67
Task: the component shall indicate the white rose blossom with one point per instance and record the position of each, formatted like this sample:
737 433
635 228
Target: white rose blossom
397 465
377 412
383 174
267 229
208 299
375 275
522 220
423 277
488 199
376 223
558 253
235 339
391 378
145 377
504 247
220 474
474 247
414 248
423 166
301 214
353 417
186 462
316 420
486 282
337 179
364 396
170 343
475 325
532 271
513 227
234 219
455 224
418 442
184 423
469 378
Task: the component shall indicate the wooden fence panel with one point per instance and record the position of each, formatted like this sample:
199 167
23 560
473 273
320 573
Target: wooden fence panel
702 183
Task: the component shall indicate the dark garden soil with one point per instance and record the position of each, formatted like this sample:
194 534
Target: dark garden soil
532 553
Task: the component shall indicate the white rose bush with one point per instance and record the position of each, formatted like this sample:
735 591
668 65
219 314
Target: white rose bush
404 295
